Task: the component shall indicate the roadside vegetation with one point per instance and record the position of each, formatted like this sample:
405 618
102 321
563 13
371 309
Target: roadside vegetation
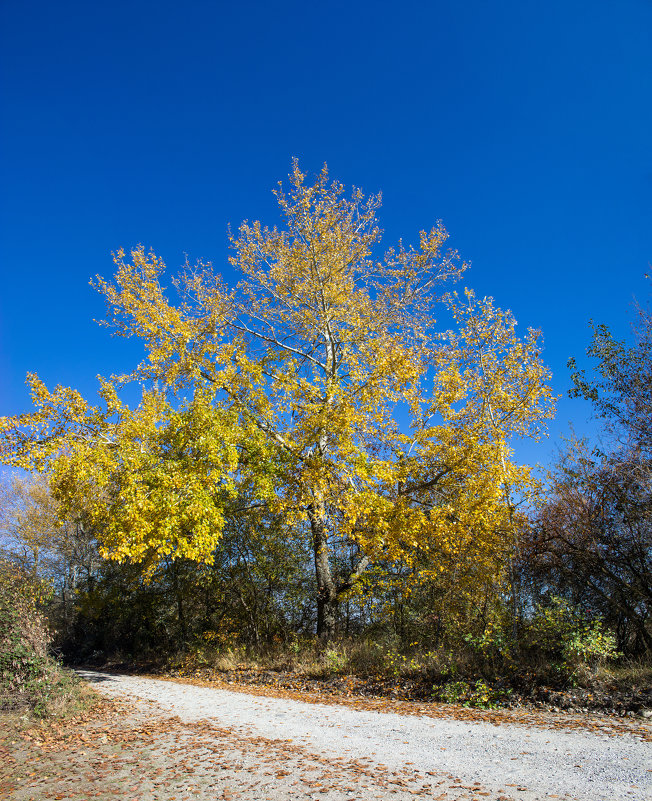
32 682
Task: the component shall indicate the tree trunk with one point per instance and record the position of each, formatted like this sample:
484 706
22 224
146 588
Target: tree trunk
326 592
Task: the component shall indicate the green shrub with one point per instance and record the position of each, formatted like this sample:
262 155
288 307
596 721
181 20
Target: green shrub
563 632
29 677
477 694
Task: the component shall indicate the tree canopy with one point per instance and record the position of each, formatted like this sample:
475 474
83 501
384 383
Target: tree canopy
320 388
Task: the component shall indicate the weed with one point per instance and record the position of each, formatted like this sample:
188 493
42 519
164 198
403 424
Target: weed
477 694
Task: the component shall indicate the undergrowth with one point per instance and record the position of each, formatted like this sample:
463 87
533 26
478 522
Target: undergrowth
563 652
31 680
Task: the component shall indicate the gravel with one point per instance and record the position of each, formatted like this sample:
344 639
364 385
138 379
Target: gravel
526 762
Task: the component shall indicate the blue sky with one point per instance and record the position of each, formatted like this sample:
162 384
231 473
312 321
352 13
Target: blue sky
525 127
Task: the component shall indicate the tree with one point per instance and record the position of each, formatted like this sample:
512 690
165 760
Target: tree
318 388
29 524
592 541
621 387
38 541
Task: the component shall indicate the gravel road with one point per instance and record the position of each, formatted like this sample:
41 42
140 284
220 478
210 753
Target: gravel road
481 759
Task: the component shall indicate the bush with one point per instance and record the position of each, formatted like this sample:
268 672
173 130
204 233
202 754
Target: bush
563 632
476 694
30 679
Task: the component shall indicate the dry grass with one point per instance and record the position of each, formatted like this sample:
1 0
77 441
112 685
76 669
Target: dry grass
307 657
634 673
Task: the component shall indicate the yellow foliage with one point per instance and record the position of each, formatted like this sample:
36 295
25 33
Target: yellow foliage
320 385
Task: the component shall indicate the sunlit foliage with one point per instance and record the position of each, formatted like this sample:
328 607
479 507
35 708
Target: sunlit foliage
321 387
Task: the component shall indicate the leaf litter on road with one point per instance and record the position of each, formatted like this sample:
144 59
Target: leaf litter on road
136 753
597 723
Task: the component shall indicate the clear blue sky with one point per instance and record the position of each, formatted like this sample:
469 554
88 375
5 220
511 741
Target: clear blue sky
525 127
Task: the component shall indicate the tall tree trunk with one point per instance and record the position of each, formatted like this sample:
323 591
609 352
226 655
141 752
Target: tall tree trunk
326 591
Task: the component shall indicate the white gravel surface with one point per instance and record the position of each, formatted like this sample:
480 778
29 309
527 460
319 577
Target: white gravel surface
529 763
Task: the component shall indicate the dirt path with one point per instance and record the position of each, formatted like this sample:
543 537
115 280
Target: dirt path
180 742
140 755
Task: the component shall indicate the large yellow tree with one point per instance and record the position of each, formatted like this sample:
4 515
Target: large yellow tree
321 386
